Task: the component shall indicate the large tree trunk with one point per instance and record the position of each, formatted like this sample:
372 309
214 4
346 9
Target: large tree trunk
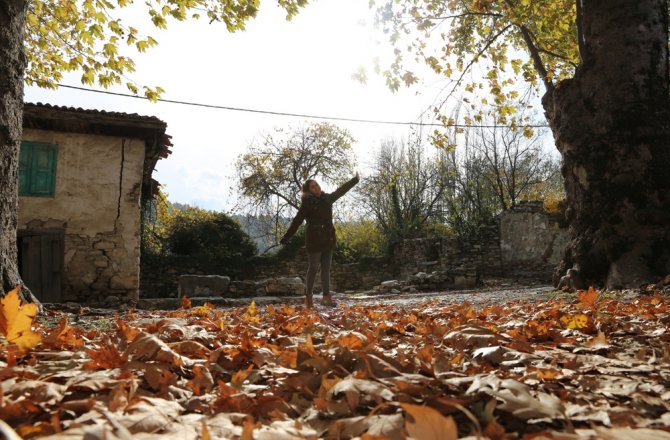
12 64
611 123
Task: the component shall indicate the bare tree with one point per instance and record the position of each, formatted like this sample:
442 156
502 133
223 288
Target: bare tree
513 159
404 190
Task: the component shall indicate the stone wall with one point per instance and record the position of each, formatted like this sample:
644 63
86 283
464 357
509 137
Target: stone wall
352 276
531 240
97 207
450 253
160 274
523 241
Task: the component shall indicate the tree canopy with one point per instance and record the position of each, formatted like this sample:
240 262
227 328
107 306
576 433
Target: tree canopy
98 38
486 49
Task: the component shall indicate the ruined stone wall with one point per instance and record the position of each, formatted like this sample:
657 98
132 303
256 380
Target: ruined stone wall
160 274
531 240
97 204
450 253
523 241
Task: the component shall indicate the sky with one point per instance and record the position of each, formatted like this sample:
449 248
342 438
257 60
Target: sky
304 66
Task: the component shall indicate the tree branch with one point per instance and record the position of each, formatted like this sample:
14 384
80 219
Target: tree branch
580 31
475 58
535 56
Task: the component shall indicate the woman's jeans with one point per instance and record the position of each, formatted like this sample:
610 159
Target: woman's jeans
317 259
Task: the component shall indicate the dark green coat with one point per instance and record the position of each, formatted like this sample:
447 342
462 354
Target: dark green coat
318 211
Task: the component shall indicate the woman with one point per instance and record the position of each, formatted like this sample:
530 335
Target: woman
317 209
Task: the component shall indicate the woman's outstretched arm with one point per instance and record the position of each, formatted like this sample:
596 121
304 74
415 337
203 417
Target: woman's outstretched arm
342 190
295 224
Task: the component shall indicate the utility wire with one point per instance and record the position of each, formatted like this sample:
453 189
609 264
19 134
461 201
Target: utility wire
297 115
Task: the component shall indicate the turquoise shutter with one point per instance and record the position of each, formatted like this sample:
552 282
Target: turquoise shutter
43 170
37 169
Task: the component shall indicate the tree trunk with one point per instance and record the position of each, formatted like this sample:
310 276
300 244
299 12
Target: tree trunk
12 64
611 123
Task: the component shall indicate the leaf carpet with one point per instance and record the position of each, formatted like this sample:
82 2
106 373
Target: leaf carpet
591 367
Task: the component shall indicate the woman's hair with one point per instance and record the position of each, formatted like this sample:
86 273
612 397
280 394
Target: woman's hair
305 188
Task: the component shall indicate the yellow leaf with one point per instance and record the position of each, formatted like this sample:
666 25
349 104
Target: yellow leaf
16 321
428 423
204 432
238 378
576 322
252 310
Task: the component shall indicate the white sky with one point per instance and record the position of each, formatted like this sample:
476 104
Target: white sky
303 66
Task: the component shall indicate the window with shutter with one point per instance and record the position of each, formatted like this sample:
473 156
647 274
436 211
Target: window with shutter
37 169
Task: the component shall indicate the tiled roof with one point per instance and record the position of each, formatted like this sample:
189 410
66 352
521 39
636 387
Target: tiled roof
62 108
79 120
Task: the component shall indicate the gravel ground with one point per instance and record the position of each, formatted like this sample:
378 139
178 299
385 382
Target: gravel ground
492 292
478 297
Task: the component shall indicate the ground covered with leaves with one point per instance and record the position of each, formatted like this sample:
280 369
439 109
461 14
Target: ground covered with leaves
587 366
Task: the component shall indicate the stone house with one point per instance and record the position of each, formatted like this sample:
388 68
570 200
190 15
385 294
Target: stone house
83 177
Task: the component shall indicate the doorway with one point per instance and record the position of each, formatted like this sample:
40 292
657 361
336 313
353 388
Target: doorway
41 262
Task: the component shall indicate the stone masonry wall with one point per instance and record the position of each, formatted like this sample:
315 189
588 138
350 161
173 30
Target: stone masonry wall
97 205
450 253
531 241
160 274
523 241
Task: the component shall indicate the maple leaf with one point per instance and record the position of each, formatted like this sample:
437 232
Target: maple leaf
239 377
251 315
106 357
202 381
185 302
128 332
63 336
16 321
589 298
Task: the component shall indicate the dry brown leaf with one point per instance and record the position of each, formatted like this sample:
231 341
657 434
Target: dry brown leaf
63 336
598 342
185 302
360 391
147 347
202 381
469 337
426 423
589 298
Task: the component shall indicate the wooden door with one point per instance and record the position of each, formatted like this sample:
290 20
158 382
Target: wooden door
41 264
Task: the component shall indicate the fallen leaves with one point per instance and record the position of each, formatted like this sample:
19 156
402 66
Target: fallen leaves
591 368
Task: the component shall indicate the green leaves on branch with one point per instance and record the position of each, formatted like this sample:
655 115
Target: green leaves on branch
90 36
486 50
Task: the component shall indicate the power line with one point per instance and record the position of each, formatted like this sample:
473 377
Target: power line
297 115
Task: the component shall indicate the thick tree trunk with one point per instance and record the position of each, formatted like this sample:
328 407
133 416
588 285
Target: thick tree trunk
12 64
611 123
